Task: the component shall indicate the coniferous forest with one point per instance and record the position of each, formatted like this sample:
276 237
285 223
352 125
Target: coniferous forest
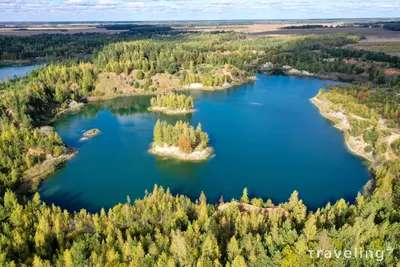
165 229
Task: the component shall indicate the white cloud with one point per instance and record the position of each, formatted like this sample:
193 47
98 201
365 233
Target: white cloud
196 9
108 2
136 4
75 1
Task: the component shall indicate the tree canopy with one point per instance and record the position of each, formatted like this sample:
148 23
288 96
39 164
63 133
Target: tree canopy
181 135
172 102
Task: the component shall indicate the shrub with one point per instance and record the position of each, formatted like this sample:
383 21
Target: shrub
64 105
371 136
368 149
396 146
147 84
386 132
58 151
140 75
234 72
359 70
392 125
382 149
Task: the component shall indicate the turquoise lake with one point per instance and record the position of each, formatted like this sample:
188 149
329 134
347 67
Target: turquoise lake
18 70
267 136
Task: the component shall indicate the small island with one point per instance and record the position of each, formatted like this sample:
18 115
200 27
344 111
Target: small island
92 132
180 141
172 104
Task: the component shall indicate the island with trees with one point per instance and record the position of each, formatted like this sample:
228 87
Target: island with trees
180 141
172 104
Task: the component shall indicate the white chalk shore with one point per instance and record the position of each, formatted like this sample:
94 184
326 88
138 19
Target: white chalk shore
175 152
169 111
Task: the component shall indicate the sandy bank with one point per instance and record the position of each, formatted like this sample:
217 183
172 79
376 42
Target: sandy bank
92 132
226 85
271 69
170 111
72 107
356 145
175 152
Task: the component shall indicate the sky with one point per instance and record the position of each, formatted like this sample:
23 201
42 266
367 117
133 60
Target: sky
151 10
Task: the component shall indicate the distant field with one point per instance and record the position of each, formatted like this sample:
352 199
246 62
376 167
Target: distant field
387 44
376 39
252 28
275 29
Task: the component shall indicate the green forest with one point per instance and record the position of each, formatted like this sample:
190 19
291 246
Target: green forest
79 46
181 135
173 102
164 229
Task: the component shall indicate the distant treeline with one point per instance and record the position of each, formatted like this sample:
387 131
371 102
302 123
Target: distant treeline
309 26
392 26
389 25
79 46
136 27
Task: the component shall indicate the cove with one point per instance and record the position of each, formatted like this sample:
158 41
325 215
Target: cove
267 136
17 70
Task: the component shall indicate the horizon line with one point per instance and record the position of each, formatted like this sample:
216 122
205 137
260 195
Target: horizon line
187 20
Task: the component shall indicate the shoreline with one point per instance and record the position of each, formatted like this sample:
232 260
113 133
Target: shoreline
217 88
318 103
34 176
70 110
270 69
20 63
178 89
102 98
174 152
170 111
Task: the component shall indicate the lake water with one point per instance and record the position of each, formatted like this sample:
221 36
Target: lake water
19 71
267 136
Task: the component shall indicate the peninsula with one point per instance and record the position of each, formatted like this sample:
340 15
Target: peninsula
369 119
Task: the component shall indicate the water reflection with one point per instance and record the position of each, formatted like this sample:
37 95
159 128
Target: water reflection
174 169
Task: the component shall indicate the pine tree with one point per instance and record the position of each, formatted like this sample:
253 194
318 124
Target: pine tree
233 249
245 198
158 133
